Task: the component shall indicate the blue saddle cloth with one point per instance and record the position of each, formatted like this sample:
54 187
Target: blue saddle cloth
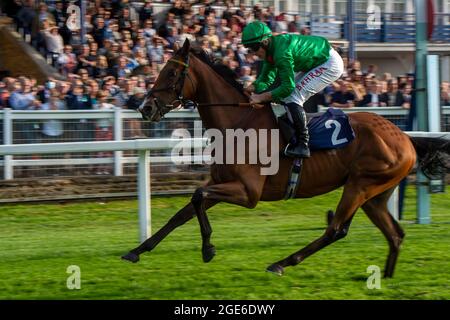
330 130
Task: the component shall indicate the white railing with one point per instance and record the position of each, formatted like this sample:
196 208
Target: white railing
118 117
143 146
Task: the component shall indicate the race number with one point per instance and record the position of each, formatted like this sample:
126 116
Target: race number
334 137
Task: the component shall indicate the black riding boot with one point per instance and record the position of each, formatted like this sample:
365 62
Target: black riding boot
300 149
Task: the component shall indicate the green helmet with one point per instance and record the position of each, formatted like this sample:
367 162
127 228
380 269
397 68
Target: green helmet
255 32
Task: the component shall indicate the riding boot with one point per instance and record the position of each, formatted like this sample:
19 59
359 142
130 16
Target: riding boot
300 149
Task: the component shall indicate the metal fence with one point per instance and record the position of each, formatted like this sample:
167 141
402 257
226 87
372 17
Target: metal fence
25 127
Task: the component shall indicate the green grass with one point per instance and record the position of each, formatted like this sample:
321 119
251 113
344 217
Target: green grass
38 243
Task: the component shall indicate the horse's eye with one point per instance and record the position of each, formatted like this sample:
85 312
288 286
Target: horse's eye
172 73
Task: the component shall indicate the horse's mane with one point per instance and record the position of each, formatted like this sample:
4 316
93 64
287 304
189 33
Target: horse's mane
222 70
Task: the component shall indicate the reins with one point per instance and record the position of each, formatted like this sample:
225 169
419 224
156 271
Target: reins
181 99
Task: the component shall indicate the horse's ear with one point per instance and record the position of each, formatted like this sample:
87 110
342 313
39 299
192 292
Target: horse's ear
185 48
176 46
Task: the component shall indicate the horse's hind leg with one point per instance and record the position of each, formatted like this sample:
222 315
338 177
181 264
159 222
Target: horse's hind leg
351 200
376 210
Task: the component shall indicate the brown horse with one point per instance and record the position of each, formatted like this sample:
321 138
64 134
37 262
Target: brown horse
369 168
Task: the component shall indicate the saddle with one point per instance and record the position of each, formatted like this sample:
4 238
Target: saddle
327 130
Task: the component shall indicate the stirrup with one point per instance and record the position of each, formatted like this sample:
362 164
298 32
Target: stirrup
291 153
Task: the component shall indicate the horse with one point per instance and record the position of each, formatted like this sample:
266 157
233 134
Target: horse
368 169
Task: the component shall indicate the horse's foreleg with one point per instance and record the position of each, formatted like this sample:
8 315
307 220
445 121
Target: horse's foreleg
180 218
230 192
337 229
208 250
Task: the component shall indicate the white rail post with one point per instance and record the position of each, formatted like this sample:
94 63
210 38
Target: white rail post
434 101
145 227
392 204
118 136
7 139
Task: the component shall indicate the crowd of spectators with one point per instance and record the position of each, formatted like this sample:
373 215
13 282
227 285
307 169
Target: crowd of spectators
122 37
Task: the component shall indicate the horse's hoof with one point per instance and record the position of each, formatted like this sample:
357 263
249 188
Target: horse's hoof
208 253
276 269
132 257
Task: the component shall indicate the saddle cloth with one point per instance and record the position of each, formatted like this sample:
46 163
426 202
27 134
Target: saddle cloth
328 130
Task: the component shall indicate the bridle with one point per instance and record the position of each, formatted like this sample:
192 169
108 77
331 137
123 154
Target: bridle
180 101
177 86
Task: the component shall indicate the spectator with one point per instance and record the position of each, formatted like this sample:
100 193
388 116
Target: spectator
342 98
372 68
84 75
391 94
141 57
100 31
172 37
186 34
295 26
42 20
403 96
356 84
92 92
156 49
281 25
227 13
45 94
123 69
149 31
213 39
26 16
125 19
146 12
52 129
373 98
67 61
101 67
103 129
246 77
178 10
115 31
54 42
84 60
24 99
78 100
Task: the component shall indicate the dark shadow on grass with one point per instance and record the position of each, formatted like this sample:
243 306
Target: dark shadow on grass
359 278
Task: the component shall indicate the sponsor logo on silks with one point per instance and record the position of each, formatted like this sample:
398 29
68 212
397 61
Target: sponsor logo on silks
311 75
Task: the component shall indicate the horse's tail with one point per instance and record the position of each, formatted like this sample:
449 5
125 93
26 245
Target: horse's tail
433 155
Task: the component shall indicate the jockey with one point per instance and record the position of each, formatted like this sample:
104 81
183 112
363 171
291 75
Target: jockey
305 65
